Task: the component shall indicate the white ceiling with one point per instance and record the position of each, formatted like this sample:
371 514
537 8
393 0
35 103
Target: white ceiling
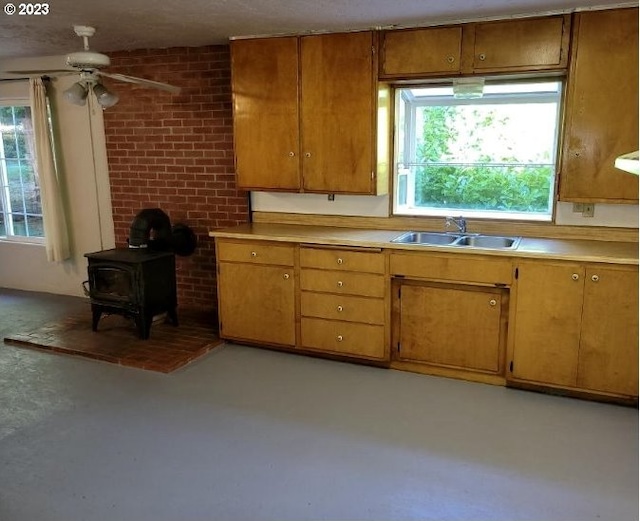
138 24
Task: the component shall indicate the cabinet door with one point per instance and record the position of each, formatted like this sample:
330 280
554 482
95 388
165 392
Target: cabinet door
451 325
337 113
431 50
264 76
531 44
547 322
601 107
257 303
609 344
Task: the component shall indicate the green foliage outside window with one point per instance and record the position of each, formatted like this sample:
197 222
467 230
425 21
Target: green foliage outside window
494 183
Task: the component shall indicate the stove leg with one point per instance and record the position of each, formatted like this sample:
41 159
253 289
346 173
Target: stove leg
172 316
96 312
143 324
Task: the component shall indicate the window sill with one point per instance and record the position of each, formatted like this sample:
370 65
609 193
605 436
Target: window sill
473 214
31 241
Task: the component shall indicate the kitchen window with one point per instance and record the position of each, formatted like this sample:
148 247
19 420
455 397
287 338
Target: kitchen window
20 204
490 154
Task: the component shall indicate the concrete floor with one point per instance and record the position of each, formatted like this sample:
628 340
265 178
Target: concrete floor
250 434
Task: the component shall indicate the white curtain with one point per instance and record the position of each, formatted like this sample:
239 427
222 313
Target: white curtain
56 234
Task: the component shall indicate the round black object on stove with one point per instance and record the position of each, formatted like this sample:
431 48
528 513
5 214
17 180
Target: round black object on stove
183 240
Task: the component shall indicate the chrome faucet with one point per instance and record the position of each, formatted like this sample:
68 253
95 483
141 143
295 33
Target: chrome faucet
460 223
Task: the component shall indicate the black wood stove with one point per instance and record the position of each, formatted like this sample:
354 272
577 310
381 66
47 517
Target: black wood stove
133 283
140 281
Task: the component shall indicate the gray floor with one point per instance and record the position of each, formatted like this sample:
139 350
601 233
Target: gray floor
250 434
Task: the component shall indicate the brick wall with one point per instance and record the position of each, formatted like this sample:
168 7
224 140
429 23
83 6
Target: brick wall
175 152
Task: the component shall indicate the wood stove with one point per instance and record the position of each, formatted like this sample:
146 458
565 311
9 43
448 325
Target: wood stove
136 283
140 281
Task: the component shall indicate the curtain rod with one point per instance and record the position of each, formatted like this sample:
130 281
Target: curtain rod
44 78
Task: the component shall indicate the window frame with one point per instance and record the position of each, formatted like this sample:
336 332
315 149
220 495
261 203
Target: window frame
17 102
396 210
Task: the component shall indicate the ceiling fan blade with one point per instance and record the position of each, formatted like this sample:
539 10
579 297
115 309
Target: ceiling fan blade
141 81
50 72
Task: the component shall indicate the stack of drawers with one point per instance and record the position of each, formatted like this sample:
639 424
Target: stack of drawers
343 302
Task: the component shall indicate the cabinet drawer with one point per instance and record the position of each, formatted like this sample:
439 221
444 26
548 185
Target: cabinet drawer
347 260
348 338
341 307
457 268
345 283
255 252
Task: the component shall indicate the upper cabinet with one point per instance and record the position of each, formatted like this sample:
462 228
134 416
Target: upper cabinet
601 108
306 114
265 112
416 52
528 44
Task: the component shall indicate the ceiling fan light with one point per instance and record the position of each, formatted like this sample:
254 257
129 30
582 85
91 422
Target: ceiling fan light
76 94
105 97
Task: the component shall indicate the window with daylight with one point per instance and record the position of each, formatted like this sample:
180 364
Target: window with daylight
491 156
20 206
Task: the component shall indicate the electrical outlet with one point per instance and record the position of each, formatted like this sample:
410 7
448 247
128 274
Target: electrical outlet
331 197
588 209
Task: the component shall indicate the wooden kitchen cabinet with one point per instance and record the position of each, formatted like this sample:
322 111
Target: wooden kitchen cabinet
343 302
306 113
601 108
256 292
452 325
265 113
528 44
576 327
416 52
450 314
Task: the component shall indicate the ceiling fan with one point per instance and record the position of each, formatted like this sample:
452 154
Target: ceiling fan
89 64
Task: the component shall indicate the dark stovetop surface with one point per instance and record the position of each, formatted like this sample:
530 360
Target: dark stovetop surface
129 255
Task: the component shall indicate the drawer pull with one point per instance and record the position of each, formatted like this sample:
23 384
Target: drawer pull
482 57
340 261
254 254
492 302
340 338
286 275
340 283
340 308
450 59
595 278
575 276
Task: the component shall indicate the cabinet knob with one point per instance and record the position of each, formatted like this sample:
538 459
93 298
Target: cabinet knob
482 56
340 338
286 276
340 308
595 278
340 261
493 302
292 154
575 276
340 283
450 59
254 254
307 154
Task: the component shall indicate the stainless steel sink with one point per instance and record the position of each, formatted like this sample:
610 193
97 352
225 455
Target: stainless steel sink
427 238
492 242
488 241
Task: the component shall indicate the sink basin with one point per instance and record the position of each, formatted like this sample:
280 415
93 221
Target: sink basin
488 241
427 238
463 240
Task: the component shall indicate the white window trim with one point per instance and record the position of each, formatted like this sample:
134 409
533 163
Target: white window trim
409 146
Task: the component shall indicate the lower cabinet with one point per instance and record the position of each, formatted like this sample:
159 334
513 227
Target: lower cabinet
343 304
452 325
256 292
576 327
